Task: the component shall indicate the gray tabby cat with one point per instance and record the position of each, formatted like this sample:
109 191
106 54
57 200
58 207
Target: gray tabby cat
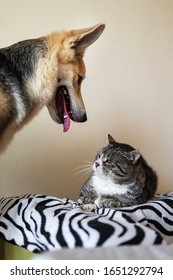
121 177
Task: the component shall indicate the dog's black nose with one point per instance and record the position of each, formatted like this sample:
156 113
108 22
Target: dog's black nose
84 118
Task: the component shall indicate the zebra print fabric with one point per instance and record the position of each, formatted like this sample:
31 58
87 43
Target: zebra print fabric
39 223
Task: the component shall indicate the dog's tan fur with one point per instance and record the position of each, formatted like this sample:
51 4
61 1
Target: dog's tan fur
32 72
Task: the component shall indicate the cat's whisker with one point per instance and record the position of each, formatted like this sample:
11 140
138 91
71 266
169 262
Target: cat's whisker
82 166
87 168
87 161
84 174
84 170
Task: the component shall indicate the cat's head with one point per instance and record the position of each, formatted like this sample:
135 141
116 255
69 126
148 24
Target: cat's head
116 161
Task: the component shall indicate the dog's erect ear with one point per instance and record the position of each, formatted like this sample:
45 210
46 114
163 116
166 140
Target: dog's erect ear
74 42
87 36
83 38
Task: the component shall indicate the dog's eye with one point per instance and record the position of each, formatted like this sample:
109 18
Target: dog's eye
79 81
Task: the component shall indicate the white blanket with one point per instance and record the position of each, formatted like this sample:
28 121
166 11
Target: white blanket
39 223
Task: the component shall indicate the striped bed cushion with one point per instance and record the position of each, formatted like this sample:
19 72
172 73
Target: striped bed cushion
40 223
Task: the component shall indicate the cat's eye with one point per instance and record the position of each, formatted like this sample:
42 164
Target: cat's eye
108 161
98 156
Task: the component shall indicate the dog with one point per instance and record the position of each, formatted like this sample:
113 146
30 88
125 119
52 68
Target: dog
47 71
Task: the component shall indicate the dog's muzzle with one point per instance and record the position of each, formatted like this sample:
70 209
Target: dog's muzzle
64 108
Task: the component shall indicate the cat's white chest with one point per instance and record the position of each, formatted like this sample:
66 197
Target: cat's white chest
104 186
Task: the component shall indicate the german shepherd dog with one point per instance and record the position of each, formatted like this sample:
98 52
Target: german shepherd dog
44 71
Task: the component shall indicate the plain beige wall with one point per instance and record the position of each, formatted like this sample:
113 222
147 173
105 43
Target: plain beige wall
128 92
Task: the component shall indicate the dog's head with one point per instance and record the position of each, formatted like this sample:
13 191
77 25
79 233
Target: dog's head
67 102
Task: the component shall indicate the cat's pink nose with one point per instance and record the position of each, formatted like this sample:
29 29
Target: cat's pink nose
97 164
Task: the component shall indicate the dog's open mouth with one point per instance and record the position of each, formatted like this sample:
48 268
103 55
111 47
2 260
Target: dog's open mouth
64 107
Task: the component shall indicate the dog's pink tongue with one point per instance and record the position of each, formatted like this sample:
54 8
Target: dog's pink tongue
66 118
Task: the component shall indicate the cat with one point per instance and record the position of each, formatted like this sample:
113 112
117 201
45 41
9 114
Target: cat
121 177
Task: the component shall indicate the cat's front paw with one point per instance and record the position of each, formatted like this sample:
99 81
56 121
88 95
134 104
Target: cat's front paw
88 207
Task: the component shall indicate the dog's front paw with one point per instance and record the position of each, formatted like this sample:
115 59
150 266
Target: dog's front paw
88 207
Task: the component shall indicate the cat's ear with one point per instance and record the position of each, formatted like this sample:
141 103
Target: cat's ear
111 140
134 156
